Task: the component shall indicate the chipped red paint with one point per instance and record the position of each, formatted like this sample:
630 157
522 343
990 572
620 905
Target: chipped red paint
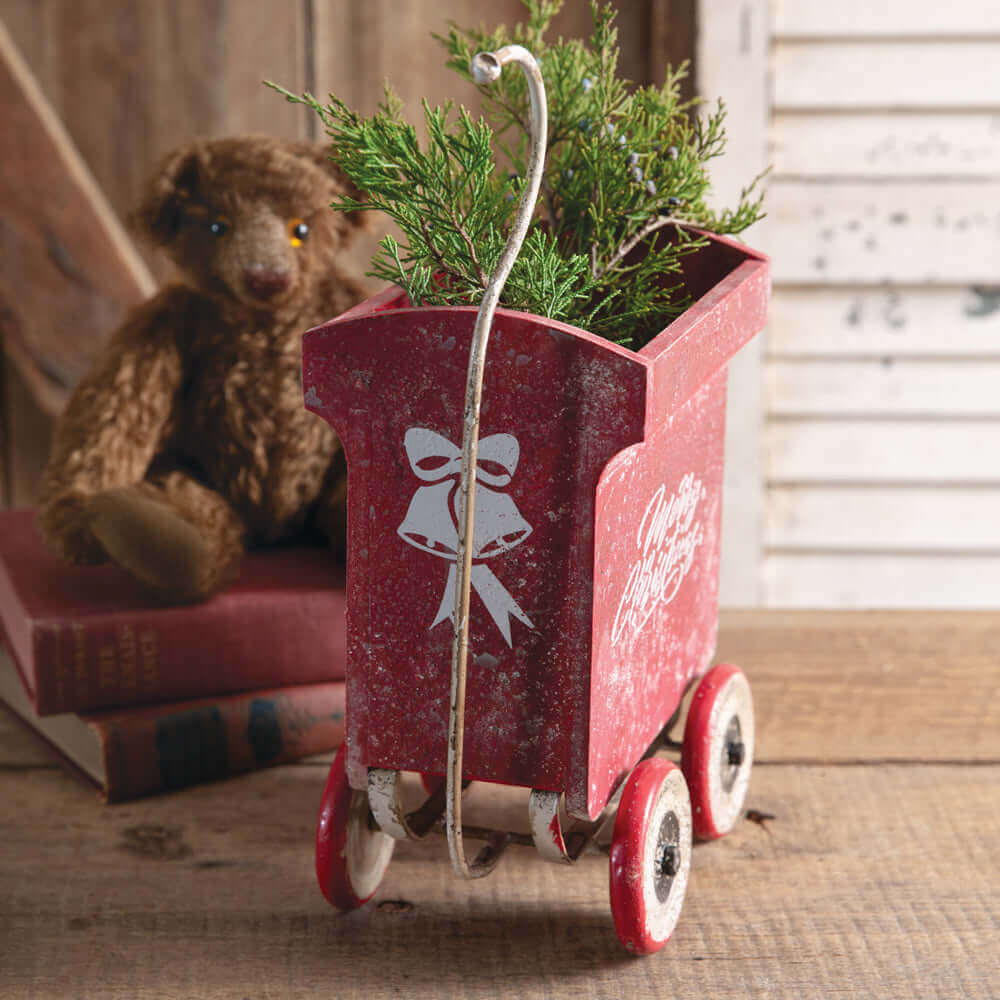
595 592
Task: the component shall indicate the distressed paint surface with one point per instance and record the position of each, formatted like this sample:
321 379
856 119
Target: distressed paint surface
571 402
880 390
547 699
643 661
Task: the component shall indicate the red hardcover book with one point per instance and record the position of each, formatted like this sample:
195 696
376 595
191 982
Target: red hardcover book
85 638
141 751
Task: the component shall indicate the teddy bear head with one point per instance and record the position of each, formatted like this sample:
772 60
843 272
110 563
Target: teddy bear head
248 218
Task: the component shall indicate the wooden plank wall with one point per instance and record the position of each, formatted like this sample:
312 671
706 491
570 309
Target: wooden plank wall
882 374
733 39
131 80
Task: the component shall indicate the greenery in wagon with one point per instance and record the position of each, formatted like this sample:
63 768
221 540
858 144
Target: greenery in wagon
624 166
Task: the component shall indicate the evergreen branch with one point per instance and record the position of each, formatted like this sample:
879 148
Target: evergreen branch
436 254
621 165
469 246
627 246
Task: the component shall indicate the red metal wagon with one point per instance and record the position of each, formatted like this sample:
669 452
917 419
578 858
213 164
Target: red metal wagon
593 573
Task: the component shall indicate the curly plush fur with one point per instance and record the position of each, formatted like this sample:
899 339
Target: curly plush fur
189 440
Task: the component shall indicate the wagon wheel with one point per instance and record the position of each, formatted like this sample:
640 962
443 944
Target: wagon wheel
352 854
650 855
717 753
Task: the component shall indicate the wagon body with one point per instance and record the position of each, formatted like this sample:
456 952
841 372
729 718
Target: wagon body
597 516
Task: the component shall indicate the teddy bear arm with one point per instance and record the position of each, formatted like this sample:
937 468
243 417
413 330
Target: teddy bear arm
113 425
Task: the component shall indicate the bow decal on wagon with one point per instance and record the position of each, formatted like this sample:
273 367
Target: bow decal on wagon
431 522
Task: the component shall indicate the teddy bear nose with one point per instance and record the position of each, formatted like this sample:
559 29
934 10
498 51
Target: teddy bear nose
263 283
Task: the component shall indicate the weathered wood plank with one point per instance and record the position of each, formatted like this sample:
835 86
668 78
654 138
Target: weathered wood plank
930 387
887 580
897 322
68 272
673 37
892 18
868 451
850 686
731 63
917 233
895 519
359 47
869 881
832 687
907 144
132 81
886 74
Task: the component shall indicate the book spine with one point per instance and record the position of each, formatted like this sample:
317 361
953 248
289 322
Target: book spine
171 654
165 748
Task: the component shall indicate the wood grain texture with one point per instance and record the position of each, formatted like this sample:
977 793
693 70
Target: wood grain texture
359 47
906 232
874 880
68 272
870 878
894 518
891 18
673 35
882 369
883 579
862 451
132 81
731 65
844 686
870 144
961 321
842 73
926 387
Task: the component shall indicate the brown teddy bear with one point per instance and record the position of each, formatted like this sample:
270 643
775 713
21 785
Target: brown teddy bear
189 441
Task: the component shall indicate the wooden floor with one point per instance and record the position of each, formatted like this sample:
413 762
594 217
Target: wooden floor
878 875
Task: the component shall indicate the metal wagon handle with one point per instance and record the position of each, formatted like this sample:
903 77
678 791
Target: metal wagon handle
486 68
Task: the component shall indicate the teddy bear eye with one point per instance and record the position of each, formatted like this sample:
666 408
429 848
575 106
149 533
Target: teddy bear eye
218 226
297 232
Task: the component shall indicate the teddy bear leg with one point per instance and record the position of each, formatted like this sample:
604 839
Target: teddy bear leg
179 538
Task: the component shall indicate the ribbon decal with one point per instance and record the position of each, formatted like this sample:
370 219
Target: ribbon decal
431 522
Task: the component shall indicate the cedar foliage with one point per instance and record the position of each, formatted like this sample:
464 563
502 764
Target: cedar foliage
625 167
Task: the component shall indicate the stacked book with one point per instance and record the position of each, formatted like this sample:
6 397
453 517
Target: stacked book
144 698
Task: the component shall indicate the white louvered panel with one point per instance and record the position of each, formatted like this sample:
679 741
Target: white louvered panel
921 388
879 144
914 233
874 518
883 451
900 322
882 373
892 580
846 74
889 18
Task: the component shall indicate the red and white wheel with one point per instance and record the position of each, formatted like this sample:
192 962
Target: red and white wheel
650 855
717 753
351 853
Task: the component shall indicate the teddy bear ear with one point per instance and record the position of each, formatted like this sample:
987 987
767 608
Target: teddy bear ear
176 182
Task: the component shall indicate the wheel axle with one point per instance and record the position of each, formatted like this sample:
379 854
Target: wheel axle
670 861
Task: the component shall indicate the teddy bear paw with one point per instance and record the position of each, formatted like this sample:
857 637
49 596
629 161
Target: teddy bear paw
154 543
